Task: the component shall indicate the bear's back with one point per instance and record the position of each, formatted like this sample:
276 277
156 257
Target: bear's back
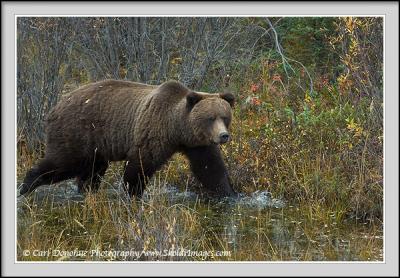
112 87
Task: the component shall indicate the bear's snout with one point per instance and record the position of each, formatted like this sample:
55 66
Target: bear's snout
223 137
219 132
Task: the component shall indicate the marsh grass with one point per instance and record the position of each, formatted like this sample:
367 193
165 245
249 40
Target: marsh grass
108 222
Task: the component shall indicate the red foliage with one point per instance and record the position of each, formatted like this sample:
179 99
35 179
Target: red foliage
254 88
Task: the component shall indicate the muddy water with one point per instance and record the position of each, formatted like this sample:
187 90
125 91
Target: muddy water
274 228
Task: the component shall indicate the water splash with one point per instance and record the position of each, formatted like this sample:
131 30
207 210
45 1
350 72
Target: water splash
255 200
57 194
171 192
260 200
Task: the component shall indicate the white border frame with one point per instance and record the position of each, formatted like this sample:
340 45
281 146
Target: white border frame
389 10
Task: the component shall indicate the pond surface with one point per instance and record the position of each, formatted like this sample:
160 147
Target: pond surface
256 227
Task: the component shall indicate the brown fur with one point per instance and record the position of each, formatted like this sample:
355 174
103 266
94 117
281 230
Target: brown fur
145 125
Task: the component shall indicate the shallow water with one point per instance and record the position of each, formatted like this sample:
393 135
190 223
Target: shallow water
276 227
259 221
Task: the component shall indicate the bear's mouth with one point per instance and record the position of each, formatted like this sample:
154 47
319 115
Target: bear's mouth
217 142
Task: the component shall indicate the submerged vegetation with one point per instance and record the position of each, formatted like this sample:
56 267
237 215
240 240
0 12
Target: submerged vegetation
307 129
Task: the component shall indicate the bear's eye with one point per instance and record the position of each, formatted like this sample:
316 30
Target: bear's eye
226 120
211 119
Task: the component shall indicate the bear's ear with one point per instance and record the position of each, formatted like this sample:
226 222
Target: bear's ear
192 98
229 97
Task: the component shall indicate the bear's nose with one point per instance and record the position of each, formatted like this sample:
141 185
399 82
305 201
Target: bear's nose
224 137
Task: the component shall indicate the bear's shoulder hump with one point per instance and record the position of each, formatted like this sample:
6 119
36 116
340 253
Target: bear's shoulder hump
173 87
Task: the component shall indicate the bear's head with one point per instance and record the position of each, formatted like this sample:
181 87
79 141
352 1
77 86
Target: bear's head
210 117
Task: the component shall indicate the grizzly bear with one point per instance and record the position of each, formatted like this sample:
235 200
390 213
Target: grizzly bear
141 124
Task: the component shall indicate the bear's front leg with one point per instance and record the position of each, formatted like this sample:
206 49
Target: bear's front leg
135 178
209 168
